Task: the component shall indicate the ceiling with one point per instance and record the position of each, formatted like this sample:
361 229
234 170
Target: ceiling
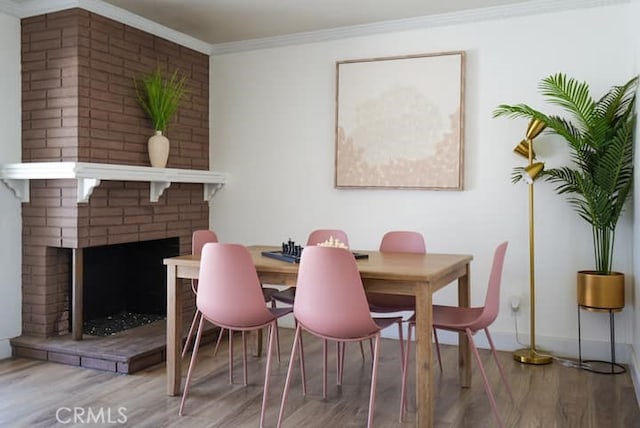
222 21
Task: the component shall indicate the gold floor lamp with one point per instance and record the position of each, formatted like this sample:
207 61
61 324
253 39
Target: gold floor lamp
530 355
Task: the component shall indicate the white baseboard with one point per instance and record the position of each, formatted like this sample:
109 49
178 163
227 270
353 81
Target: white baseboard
563 347
5 349
634 370
557 346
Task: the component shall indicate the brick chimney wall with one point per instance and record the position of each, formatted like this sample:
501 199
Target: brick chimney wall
78 104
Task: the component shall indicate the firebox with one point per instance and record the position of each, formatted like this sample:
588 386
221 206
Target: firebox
125 284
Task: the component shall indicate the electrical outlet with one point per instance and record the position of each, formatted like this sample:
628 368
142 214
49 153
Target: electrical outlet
515 304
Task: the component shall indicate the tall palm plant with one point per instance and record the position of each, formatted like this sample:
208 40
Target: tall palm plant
601 140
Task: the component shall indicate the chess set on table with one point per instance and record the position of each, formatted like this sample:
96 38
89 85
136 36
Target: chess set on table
291 252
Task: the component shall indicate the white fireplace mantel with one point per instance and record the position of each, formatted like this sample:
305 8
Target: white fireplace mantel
17 175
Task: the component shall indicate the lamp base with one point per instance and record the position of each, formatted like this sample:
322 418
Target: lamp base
531 356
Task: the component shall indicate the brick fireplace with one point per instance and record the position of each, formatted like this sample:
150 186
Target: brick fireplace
78 105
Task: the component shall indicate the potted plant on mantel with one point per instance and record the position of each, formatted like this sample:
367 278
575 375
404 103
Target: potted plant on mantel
160 98
599 182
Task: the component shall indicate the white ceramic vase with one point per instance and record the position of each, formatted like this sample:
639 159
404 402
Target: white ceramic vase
158 147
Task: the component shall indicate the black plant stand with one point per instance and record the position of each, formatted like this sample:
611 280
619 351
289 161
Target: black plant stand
608 367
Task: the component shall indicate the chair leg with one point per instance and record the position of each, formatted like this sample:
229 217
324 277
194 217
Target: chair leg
194 357
296 344
487 387
303 376
277 341
220 334
374 378
196 318
361 350
244 357
405 369
495 357
272 335
324 368
231 356
273 305
337 363
401 347
340 360
342 352
435 338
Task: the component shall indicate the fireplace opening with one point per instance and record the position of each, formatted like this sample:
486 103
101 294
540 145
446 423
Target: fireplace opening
124 285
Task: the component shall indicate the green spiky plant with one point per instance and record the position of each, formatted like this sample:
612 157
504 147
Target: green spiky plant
160 97
601 140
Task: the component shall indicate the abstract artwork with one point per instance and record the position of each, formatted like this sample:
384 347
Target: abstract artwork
399 122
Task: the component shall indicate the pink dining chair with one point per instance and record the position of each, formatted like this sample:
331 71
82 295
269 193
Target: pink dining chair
331 304
398 241
230 296
198 239
469 321
318 236
288 295
403 241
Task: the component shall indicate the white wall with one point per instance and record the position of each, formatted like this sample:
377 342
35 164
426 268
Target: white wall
272 129
10 222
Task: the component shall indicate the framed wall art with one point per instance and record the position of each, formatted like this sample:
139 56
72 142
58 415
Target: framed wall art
399 122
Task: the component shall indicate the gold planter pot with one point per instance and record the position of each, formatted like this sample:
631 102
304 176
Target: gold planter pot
597 291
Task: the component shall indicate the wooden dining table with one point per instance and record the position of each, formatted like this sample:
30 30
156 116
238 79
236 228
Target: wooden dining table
418 275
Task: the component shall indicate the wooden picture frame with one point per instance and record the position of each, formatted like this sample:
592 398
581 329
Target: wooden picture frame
400 122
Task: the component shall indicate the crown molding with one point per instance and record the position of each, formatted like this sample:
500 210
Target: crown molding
38 7
534 7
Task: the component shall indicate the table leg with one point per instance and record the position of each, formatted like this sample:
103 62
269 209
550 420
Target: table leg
424 357
464 350
174 333
257 342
